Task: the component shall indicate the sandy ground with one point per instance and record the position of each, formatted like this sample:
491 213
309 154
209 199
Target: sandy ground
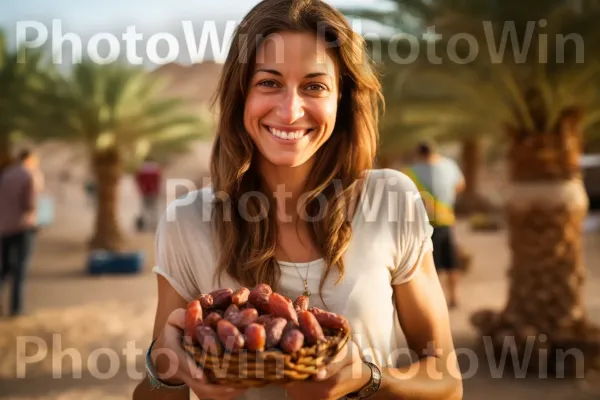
83 337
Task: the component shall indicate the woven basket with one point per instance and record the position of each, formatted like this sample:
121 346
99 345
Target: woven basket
246 369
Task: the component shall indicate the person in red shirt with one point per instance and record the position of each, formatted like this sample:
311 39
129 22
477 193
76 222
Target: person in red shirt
148 179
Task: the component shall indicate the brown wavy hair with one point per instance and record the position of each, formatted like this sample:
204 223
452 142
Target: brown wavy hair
246 250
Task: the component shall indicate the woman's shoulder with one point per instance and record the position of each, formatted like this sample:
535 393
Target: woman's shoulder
388 180
390 197
192 210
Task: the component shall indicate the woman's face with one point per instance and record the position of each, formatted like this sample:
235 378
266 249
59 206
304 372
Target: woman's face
291 106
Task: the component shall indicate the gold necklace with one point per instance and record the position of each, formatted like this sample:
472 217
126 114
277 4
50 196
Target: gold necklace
306 292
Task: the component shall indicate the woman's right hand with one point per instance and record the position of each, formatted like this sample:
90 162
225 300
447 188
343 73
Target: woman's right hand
176 366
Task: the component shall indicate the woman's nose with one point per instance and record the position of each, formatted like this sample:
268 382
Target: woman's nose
291 107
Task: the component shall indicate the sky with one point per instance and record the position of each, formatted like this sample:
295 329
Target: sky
85 19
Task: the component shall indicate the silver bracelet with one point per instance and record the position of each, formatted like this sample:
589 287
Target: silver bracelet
156 383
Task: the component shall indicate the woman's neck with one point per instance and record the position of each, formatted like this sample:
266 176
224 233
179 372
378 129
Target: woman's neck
287 185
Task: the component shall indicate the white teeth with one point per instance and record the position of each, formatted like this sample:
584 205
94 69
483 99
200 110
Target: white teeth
287 135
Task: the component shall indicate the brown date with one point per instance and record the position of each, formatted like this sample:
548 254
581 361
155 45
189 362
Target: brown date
206 300
261 302
264 319
193 318
208 340
290 325
245 318
229 335
212 319
240 296
331 320
281 306
259 296
255 337
292 341
221 298
313 333
246 305
274 331
301 303
231 312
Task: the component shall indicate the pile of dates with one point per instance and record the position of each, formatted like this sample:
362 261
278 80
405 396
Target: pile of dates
257 320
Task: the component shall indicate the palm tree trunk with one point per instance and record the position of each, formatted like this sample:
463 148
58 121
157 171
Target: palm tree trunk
5 151
546 207
107 167
471 154
471 200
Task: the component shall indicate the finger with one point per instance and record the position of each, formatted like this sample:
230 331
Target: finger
177 318
342 358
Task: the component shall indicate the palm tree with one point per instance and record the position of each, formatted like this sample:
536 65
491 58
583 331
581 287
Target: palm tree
119 113
543 100
24 83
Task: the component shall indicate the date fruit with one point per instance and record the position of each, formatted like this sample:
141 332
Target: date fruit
230 336
291 325
208 340
212 319
231 312
331 320
193 318
221 298
292 341
274 331
206 300
281 306
240 296
245 318
264 319
313 333
259 297
255 337
301 303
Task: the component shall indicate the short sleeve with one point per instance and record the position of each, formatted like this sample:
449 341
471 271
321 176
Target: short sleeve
172 260
458 174
413 230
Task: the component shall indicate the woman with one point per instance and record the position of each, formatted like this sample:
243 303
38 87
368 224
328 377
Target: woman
294 203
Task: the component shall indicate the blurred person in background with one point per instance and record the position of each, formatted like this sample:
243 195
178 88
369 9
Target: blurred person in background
20 186
148 179
439 179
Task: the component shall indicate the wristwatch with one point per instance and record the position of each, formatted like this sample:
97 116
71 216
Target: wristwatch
156 383
371 387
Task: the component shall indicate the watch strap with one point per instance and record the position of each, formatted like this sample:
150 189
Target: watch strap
371 387
156 383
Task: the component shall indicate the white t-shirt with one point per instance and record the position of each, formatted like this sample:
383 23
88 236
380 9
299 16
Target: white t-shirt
391 233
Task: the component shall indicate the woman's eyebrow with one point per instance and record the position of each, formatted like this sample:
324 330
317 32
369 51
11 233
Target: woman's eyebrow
275 72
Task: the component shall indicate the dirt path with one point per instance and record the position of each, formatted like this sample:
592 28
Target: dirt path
108 319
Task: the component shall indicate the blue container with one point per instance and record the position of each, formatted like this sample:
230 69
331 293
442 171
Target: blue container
105 262
45 210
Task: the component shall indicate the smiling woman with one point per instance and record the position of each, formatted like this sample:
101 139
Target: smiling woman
291 107
296 140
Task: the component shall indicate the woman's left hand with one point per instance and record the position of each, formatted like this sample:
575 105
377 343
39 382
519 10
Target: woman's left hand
346 373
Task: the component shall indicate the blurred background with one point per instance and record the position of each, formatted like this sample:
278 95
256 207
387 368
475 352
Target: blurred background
510 90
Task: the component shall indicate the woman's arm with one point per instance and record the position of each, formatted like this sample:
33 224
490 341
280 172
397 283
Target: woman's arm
424 318
168 301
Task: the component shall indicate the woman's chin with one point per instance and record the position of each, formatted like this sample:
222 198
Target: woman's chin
285 162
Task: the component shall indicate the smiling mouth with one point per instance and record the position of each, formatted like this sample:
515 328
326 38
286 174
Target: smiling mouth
288 134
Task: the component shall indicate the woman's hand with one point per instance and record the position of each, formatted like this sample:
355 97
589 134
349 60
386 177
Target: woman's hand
347 373
175 366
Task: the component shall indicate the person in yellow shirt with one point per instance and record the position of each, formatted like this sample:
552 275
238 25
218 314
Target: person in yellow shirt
439 179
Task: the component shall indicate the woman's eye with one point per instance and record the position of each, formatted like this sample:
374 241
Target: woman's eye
316 87
268 83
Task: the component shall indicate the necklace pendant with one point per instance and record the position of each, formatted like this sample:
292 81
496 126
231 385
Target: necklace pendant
306 291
